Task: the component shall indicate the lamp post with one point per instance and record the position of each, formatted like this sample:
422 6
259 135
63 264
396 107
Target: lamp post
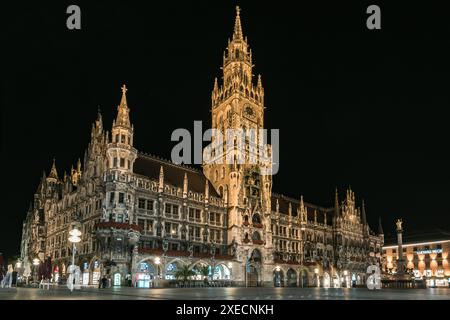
157 262
18 267
74 238
277 276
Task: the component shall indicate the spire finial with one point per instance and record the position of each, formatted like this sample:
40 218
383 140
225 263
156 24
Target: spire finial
123 118
336 202
363 212
237 25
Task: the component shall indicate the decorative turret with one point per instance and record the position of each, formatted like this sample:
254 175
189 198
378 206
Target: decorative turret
53 176
185 186
161 180
237 69
206 191
121 154
123 117
363 213
302 211
76 174
336 204
237 34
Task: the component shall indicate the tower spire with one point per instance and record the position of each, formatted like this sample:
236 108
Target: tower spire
336 203
363 212
123 118
380 227
53 173
237 34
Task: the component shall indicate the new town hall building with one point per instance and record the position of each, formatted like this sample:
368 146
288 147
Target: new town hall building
144 218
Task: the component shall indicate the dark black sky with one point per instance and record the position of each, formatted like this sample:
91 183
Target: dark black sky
354 107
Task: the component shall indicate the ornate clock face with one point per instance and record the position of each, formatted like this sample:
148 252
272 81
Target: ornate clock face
248 110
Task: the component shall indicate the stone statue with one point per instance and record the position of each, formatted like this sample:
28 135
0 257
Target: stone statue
399 224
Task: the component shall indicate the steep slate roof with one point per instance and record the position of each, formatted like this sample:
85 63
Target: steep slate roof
283 202
149 166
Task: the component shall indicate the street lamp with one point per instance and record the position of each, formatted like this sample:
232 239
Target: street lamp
74 238
17 267
157 261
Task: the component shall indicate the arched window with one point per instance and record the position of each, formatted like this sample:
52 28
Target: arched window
256 218
223 172
216 175
255 256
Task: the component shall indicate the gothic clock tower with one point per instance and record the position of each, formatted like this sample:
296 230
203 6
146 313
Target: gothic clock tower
235 167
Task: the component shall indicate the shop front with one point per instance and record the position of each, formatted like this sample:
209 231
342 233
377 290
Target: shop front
96 273
85 274
145 275
117 280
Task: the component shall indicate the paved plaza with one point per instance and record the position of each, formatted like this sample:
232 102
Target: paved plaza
126 293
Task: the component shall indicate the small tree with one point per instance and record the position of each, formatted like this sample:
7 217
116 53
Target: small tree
204 271
185 273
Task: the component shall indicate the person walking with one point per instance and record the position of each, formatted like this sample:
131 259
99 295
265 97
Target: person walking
104 282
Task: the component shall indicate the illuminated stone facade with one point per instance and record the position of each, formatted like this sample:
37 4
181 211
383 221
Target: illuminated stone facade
425 259
147 217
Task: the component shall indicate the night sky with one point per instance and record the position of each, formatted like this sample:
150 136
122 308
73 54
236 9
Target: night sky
354 107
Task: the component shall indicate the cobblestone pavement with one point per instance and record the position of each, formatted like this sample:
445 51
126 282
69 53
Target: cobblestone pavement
126 293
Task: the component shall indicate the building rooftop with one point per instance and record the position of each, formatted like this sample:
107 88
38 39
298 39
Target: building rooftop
149 166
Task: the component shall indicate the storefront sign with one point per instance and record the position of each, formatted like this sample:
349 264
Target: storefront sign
429 251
